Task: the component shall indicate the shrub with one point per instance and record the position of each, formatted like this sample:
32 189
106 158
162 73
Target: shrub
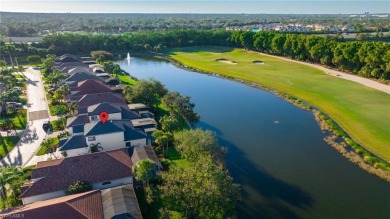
102 55
79 187
34 59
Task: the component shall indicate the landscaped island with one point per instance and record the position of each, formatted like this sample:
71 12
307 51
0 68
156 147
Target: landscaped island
361 111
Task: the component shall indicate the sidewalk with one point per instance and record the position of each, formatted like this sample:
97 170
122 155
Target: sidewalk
12 133
34 134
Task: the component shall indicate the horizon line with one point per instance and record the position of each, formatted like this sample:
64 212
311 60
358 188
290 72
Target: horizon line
195 13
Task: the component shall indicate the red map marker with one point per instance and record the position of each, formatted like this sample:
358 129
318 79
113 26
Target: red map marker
103 117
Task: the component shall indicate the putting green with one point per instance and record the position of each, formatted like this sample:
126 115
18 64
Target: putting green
363 112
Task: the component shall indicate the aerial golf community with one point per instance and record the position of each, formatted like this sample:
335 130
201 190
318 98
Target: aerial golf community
101 113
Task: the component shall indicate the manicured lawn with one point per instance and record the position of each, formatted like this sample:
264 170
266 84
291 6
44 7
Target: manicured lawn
42 149
362 111
6 144
19 120
126 79
175 156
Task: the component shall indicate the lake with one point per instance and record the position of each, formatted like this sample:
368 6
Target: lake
276 150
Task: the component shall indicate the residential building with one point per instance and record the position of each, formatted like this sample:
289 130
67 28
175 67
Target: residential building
51 179
87 205
91 99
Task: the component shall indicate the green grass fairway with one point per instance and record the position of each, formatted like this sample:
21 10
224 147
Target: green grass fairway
362 111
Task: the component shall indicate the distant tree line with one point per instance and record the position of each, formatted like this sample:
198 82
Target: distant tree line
38 24
367 59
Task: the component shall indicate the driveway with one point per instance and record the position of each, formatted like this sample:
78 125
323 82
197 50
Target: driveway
37 114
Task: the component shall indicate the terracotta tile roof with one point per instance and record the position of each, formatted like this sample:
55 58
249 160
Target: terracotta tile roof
86 205
57 175
90 87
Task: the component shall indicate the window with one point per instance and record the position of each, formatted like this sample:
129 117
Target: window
91 138
94 118
128 144
106 183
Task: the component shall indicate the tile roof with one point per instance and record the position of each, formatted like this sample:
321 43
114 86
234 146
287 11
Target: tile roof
57 175
133 134
107 107
114 126
81 76
91 99
61 65
99 128
87 205
78 69
80 119
73 142
90 87
126 113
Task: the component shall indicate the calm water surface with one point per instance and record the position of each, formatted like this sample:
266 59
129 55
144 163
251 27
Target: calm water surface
276 150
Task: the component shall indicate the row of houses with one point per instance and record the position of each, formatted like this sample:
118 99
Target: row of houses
293 27
128 125
125 140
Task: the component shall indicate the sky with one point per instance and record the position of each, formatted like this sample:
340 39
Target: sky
199 6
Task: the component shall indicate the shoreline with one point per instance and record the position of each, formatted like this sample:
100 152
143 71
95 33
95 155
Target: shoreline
342 142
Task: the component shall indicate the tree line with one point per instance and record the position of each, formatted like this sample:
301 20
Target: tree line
367 59
38 24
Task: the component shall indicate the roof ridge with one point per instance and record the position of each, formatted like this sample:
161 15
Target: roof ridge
118 160
79 197
75 209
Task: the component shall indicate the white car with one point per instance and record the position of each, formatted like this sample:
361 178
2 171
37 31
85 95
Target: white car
16 89
14 104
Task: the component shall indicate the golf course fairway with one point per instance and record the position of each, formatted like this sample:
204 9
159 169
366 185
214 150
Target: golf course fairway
363 112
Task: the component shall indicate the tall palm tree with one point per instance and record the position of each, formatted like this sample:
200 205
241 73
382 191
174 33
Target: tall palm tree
95 148
14 179
3 186
65 90
72 107
11 179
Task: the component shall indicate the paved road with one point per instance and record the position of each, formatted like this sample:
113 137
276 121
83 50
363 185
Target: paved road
365 81
34 134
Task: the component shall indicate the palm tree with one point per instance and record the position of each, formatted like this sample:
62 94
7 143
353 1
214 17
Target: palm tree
144 170
11 178
65 90
3 186
162 138
95 148
14 179
72 107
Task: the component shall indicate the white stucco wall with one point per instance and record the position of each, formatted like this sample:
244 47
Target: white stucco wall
43 197
138 142
114 183
111 116
110 141
77 152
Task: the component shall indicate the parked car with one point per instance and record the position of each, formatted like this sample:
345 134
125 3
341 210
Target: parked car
16 89
46 125
15 105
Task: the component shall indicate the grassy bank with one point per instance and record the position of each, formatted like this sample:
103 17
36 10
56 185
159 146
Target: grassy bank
361 111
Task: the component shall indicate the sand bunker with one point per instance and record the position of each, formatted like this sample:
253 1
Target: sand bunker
258 62
226 61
